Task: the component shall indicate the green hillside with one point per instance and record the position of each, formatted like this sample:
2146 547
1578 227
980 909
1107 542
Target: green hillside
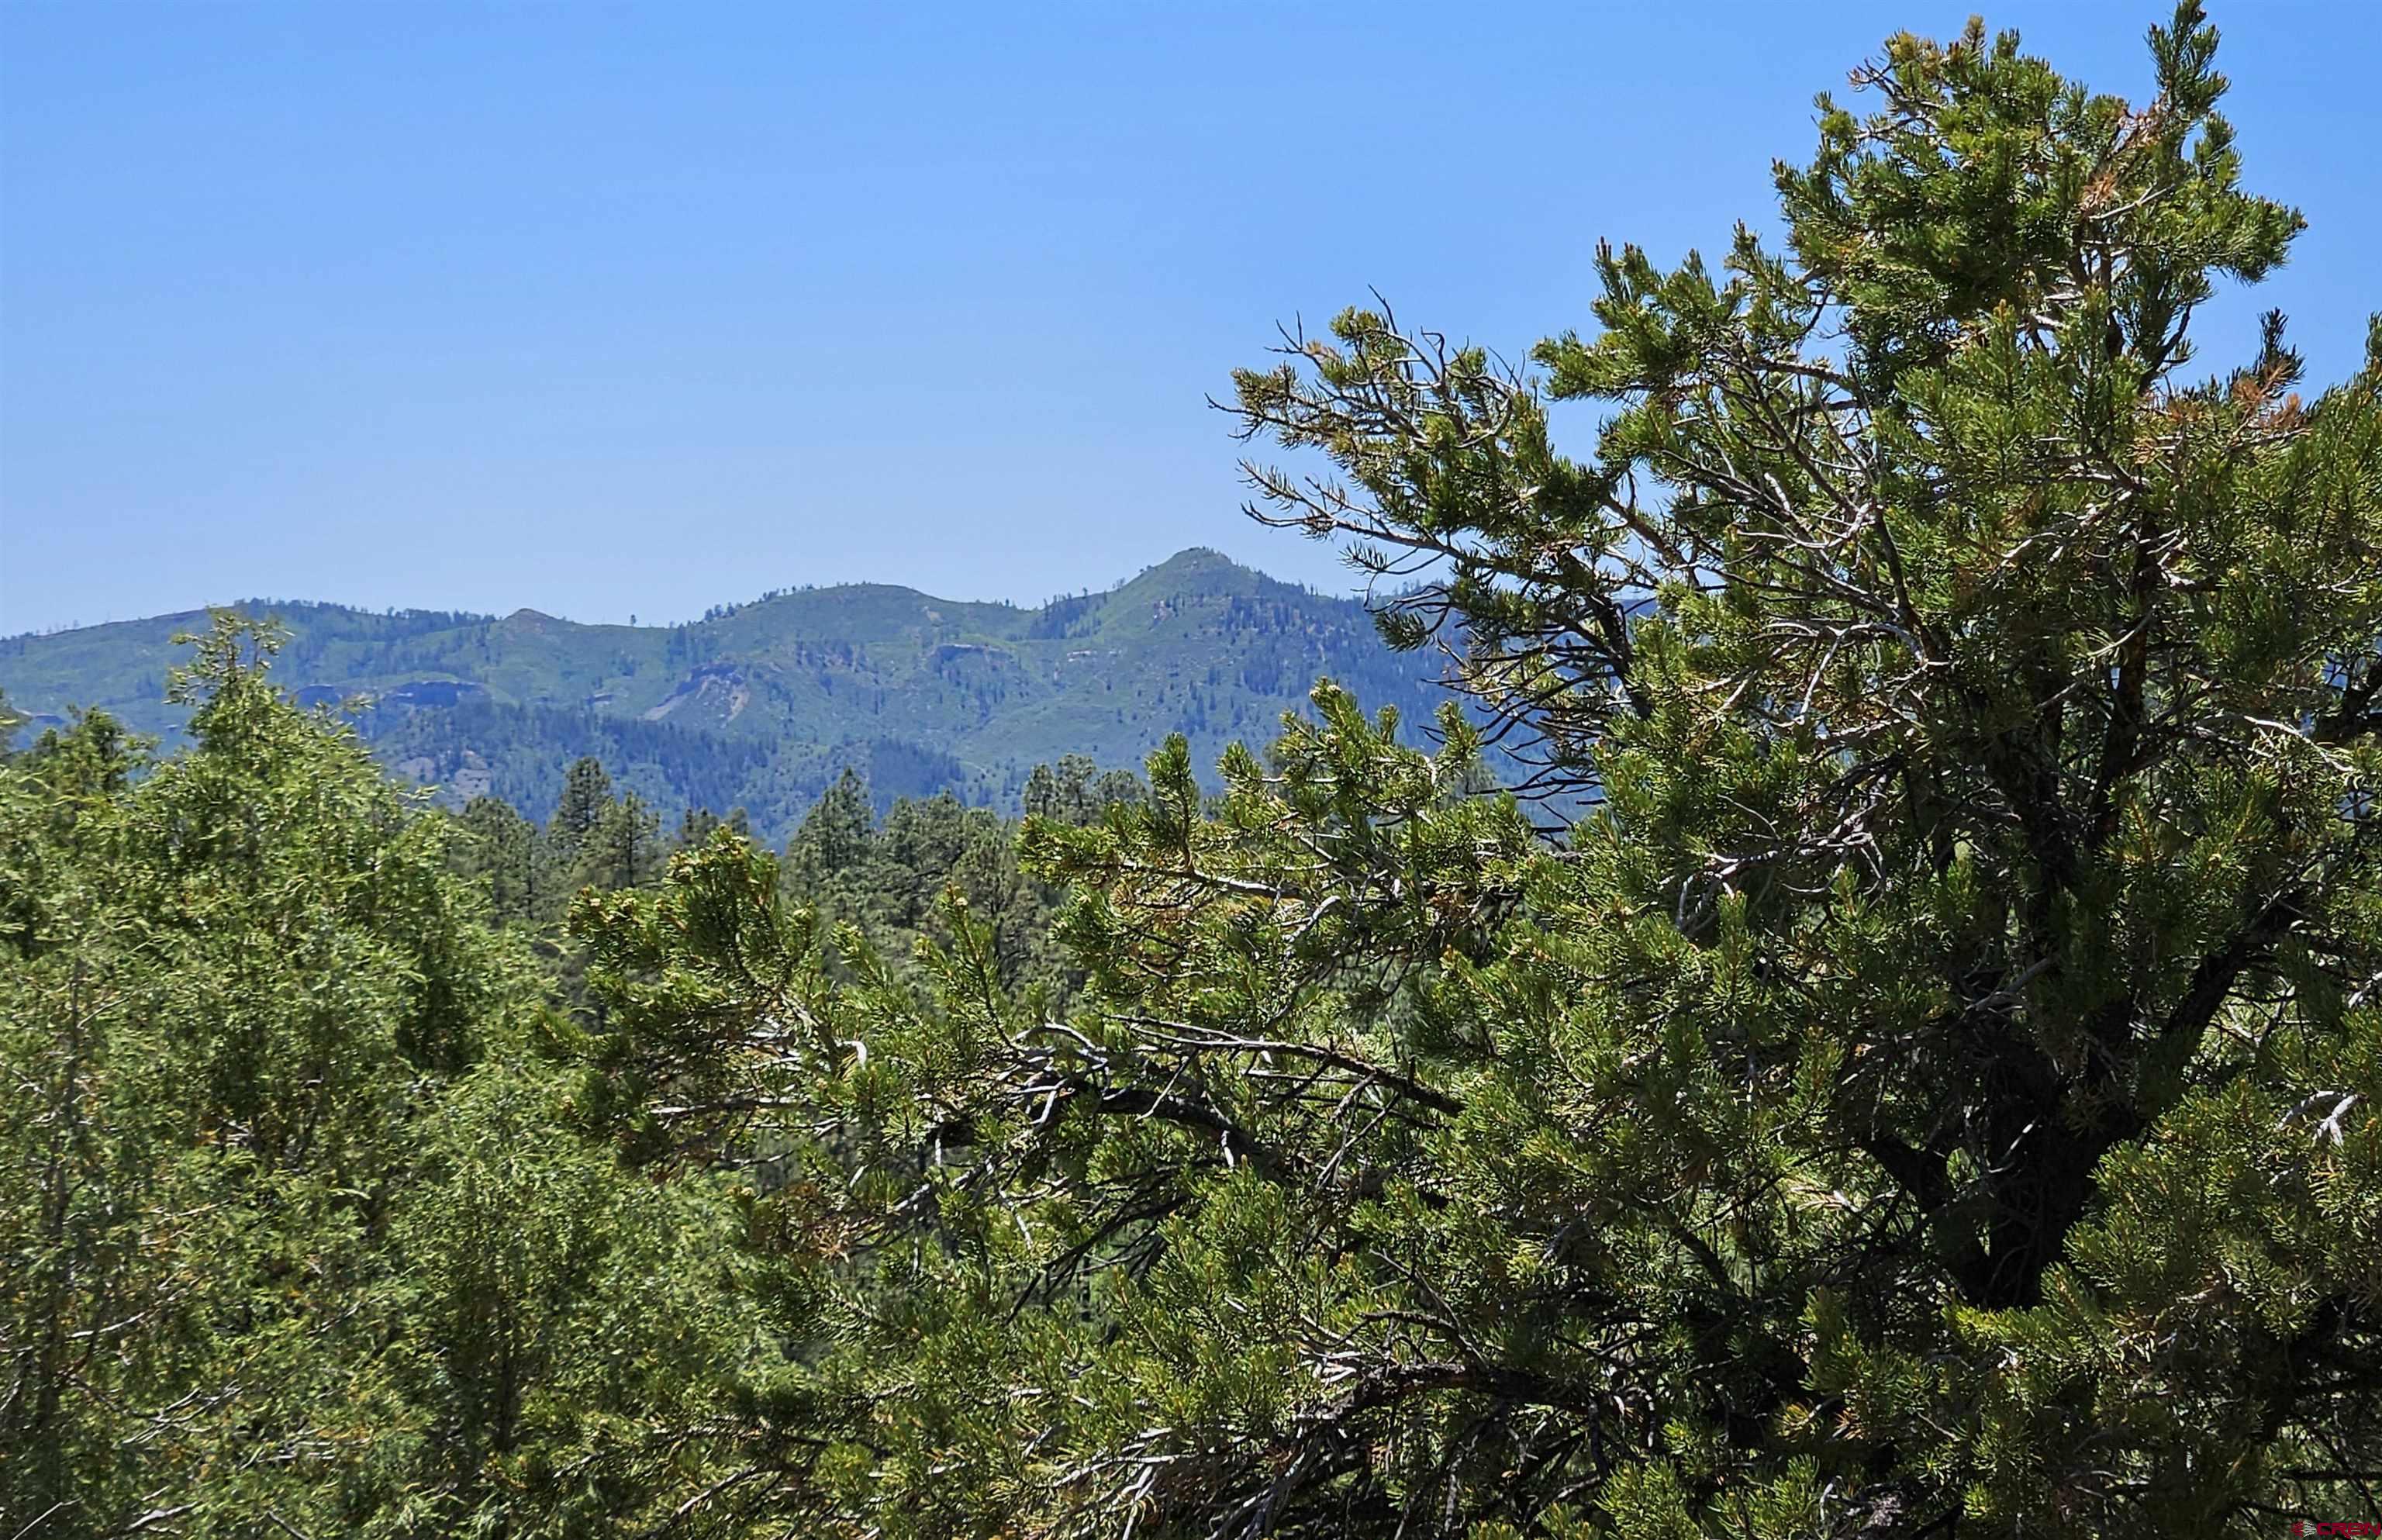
761 704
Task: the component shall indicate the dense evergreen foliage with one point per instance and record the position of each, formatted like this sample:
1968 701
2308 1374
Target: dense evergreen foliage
302 1229
1927 1088
295 1238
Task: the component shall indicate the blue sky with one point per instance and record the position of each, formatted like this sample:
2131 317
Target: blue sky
629 310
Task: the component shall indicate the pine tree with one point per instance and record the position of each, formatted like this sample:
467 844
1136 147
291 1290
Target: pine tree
622 850
500 847
586 794
1926 1085
1040 798
836 838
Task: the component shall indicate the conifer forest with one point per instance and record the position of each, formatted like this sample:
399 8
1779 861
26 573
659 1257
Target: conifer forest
1853 1008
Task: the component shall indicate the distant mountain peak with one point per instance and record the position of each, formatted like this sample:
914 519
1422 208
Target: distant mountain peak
1196 556
1195 560
1198 571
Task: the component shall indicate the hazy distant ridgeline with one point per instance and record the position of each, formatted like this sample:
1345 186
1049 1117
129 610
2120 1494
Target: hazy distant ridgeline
762 704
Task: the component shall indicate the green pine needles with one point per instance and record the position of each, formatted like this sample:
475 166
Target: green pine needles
1930 1089
1906 1063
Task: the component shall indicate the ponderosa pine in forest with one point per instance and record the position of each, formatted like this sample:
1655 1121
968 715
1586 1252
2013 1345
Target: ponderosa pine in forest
1932 1090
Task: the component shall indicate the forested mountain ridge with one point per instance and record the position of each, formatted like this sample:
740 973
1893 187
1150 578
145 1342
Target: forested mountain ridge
762 704
1929 1088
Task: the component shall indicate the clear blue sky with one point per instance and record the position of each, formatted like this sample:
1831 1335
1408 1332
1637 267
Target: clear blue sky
611 309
